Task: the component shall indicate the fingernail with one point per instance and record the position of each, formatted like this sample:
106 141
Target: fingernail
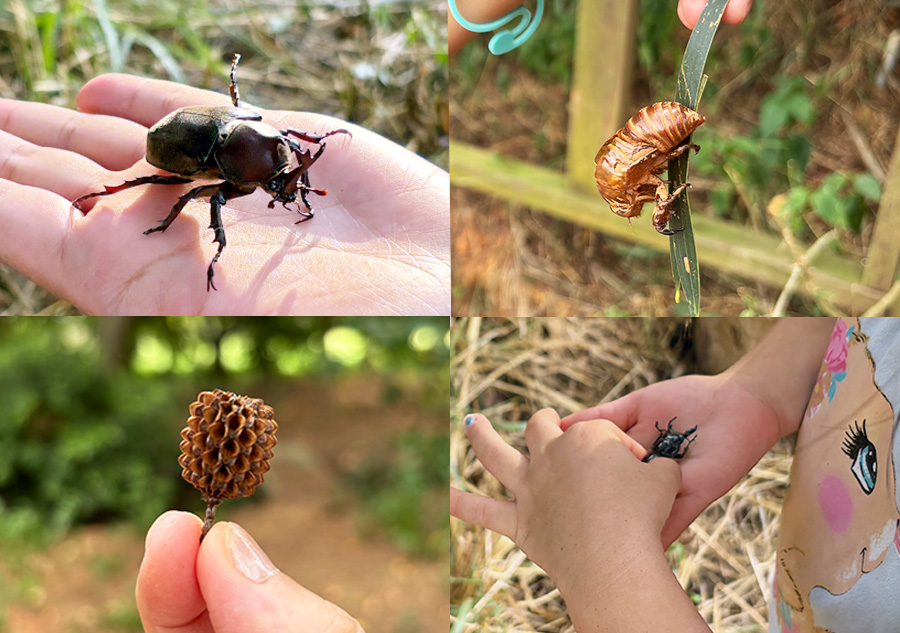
162 522
470 419
249 559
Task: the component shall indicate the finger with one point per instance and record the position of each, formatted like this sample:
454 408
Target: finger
499 458
144 101
686 508
492 514
633 445
246 593
622 412
34 224
689 11
109 141
736 11
668 472
62 172
541 429
167 592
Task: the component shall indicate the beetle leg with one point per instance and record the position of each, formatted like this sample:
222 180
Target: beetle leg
156 179
314 138
226 191
233 87
204 190
219 194
216 202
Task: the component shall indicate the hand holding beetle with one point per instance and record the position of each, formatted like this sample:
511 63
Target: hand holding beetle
582 498
735 430
379 242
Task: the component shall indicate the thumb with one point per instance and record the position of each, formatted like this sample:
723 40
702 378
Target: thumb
666 475
245 593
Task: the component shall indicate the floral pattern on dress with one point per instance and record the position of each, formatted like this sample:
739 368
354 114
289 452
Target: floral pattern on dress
834 367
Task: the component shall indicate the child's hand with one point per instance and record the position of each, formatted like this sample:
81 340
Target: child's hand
585 503
736 428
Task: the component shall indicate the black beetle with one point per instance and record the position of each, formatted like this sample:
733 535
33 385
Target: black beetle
669 443
230 143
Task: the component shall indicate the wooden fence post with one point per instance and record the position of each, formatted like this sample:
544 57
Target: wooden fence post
884 248
598 102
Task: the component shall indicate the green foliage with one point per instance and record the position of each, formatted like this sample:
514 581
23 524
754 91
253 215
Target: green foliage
773 158
79 443
840 200
786 105
657 45
549 52
405 493
768 160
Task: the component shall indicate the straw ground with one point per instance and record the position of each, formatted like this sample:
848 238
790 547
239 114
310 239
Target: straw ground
509 368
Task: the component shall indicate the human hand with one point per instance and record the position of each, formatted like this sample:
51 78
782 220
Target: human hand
689 11
379 244
584 502
478 12
226 586
736 428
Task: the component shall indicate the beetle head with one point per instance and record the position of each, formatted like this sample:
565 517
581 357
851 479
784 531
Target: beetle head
285 185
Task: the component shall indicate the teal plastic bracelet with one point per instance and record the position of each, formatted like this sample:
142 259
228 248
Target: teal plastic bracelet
507 40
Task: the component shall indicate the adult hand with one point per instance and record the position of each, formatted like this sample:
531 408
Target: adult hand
689 11
735 429
379 243
227 585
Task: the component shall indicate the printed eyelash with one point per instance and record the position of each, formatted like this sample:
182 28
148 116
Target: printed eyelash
863 456
855 440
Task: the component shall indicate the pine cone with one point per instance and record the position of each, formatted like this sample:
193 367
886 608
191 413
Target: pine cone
226 447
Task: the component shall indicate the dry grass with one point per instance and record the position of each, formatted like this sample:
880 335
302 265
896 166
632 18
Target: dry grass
507 369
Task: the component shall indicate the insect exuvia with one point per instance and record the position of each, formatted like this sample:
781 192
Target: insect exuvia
628 164
232 144
670 443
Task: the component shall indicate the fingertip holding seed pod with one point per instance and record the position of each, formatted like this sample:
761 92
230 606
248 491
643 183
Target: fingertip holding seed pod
628 164
226 447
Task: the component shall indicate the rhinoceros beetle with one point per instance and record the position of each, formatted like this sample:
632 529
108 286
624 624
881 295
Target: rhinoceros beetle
669 443
231 143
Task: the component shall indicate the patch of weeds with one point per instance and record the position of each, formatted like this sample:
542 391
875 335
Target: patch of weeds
405 493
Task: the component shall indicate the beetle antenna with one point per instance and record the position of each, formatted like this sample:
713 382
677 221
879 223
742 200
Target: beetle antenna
233 88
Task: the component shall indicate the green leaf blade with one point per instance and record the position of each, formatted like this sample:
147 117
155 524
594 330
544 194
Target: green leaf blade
683 248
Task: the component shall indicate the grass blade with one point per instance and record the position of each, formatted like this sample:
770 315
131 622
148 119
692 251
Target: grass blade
690 84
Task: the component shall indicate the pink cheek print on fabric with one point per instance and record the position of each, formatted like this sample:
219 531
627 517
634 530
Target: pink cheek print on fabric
835 503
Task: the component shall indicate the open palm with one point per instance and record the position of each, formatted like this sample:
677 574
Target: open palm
379 243
735 429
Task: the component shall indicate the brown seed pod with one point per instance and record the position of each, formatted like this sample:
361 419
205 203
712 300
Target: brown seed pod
226 447
628 165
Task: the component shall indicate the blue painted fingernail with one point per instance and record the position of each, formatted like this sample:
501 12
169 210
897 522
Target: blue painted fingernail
469 420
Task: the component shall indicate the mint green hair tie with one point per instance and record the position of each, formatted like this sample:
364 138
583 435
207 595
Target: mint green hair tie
504 41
